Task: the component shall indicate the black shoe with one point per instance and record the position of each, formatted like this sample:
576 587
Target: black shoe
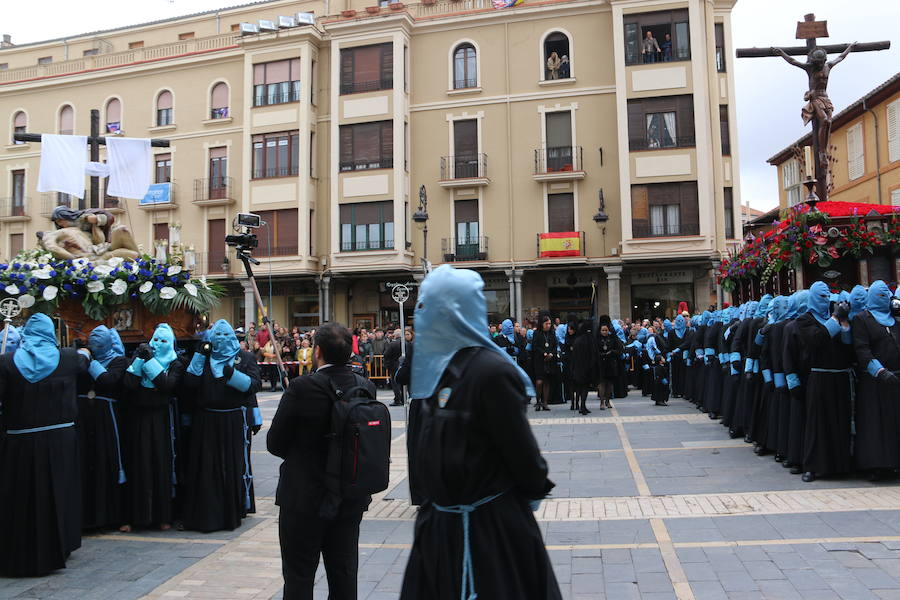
795 470
809 476
583 412
733 434
786 464
748 439
713 416
587 412
779 458
602 407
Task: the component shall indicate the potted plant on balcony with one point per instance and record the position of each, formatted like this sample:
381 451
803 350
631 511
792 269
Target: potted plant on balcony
348 14
373 10
429 2
397 6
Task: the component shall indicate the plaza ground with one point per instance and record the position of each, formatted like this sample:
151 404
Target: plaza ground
650 502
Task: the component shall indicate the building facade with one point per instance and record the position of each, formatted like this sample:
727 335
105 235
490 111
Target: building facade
865 138
578 154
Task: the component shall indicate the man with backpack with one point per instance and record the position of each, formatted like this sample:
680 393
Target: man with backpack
334 438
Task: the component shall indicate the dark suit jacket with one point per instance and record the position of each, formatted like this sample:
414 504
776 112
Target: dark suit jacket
298 435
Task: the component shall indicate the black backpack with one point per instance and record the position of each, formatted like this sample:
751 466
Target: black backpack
359 445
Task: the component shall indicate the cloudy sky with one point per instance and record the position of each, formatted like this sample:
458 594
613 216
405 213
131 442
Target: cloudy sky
769 91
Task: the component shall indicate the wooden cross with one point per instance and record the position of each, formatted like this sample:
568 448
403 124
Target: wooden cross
95 140
818 109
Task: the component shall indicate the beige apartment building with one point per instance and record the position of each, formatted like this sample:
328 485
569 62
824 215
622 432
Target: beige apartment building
545 119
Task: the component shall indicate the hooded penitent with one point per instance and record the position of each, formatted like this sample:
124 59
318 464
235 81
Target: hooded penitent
561 331
163 346
451 315
750 310
508 330
38 354
13 338
780 307
763 308
858 299
820 301
878 303
117 342
619 331
667 325
680 326
225 346
102 345
642 335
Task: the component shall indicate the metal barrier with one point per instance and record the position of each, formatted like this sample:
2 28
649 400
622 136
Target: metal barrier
376 368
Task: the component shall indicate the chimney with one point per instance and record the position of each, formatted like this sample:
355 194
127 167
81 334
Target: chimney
7 41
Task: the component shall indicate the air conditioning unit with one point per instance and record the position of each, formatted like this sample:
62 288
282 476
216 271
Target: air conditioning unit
265 25
305 18
249 28
285 22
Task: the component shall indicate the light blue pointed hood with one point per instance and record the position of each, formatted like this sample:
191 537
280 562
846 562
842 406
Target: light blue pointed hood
225 346
508 330
451 315
680 326
38 354
799 304
763 308
619 331
878 303
13 339
750 309
858 299
642 335
163 345
820 301
102 345
780 307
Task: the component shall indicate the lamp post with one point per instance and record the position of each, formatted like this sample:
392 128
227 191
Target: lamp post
601 217
421 218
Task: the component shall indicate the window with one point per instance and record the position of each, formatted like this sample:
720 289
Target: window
235 27
189 35
114 116
367 146
724 131
467 245
135 45
18 193
218 173
164 109
160 231
720 47
276 82
312 83
4 66
560 212
657 37
729 214
15 243
216 255
465 74
66 120
856 162
893 130
20 124
276 154
45 60
367 68
465 149
662 122
367 226
219 101
790 179
312 155
108 201
665 209
895 197
557 64
163 168
281 237
559 141
90 52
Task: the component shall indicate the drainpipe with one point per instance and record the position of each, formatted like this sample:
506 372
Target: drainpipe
66 46
877 149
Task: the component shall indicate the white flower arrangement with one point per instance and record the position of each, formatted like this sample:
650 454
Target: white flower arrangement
118 287
50 293
95 286
191 289
167 293
146 287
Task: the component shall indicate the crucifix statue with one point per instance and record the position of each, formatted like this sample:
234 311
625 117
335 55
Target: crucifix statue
818 108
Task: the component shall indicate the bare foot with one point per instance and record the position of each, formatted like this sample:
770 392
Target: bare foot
165 527
125 528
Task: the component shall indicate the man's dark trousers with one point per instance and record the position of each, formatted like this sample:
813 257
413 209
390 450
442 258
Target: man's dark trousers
303 538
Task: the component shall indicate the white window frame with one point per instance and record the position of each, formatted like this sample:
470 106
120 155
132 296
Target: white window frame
856 161
542 60
893 130
790 180
450 66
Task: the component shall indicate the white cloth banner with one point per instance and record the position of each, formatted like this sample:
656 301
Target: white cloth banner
63 160
129 167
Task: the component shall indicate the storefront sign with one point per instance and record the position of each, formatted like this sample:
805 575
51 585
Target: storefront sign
680 276
565 279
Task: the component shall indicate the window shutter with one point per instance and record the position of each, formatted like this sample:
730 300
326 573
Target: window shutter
466 211
286 232
164 100
561 212
66 120
220 95
346 70
895 197
21 120
855 156
387 143
893 130
387 65
346 141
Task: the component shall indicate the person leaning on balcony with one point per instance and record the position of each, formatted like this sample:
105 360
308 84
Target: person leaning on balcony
649 48
553 64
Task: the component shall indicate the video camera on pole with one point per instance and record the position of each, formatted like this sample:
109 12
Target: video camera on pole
244 241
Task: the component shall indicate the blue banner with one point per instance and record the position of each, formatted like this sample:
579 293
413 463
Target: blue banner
159 193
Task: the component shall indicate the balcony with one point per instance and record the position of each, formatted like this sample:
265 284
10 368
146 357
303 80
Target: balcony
215 191
50 200
359 87
560 244
643 143
367 164
270 98
367 245
464 171
205 263
664 230
466 249
14 209
161 196
558 164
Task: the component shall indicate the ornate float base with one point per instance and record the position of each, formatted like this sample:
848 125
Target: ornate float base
134 322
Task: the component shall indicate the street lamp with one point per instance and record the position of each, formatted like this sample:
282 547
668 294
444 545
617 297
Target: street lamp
421 218
601 216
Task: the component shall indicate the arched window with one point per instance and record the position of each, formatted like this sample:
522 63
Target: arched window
557 59
219 101
66 120
164 108
20 124
465 74
114 116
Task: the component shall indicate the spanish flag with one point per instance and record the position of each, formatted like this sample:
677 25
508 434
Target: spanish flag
498 4
560 243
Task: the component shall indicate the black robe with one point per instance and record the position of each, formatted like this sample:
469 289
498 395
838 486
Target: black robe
660 393
99 427
677 361
479 444
780 407
40 497
739 345
729 379
877 443
149 424
687 388
826 438
757 387
796 360
698 342
712 399
217 483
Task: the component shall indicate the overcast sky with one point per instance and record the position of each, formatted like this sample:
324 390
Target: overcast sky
769 91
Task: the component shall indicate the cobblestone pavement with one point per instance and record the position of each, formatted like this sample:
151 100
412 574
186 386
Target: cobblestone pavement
651 502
